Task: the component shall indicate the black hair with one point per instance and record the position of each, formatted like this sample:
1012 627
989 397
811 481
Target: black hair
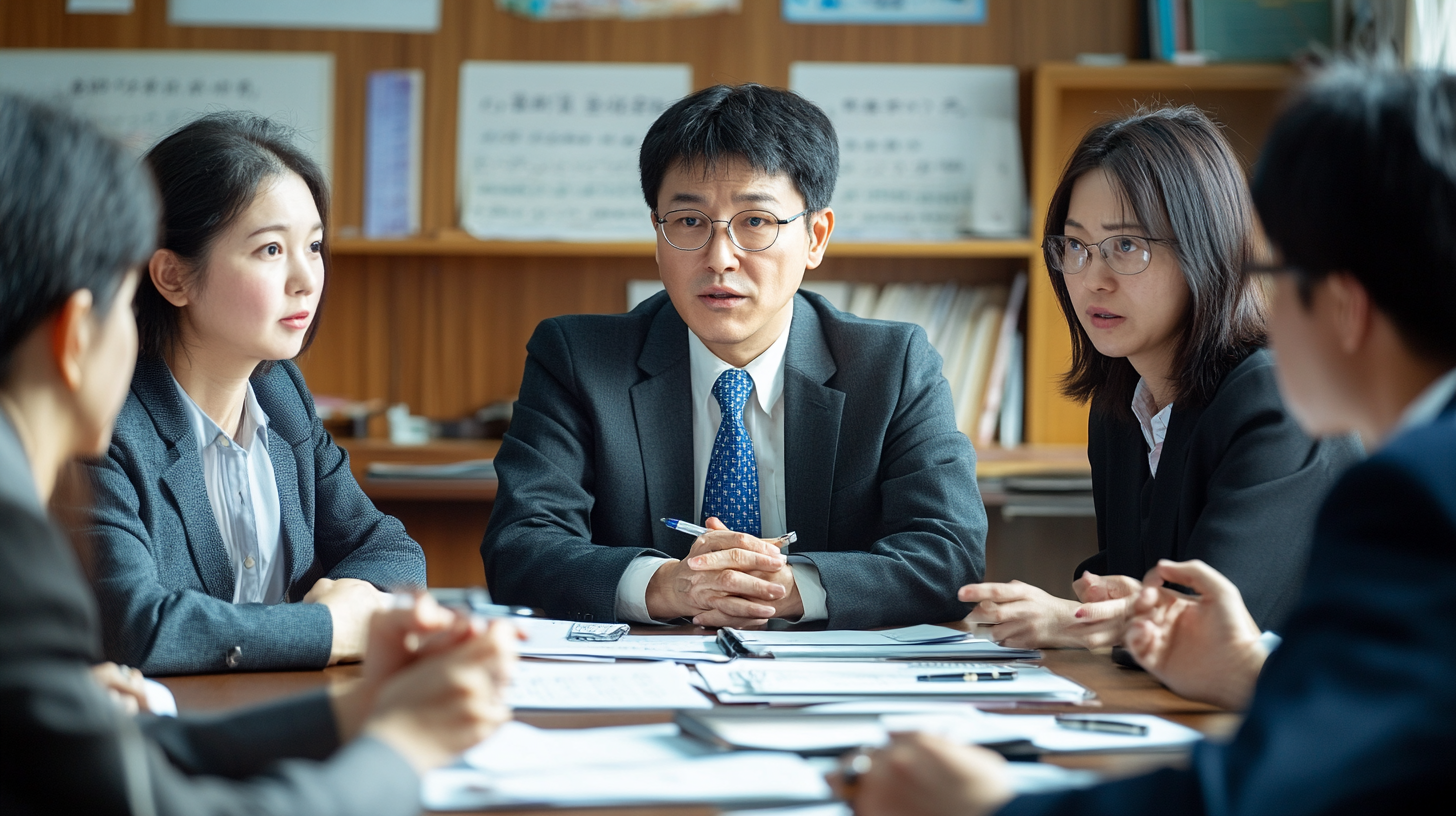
76 212
1359 175
773 130
1174 169
209 171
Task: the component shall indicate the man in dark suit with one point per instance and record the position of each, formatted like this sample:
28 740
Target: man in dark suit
1353 712
77 217
735 400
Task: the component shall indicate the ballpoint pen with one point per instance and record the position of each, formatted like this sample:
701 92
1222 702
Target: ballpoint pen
1102 726
695 530
973 676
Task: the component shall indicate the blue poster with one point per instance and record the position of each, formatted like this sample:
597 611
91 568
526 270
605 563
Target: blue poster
885 12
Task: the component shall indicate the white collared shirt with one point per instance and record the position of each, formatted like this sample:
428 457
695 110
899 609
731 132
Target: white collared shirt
243 492
1424 409
1154 422
763 417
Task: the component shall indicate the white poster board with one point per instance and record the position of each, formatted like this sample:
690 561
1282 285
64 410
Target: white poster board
548 151
342 15
141 96
927 152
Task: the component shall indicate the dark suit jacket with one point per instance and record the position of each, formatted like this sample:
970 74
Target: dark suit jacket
880 486
162 573
1238 486
1353 713
66 748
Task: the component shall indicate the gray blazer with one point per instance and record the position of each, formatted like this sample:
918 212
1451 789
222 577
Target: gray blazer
161 572
880 486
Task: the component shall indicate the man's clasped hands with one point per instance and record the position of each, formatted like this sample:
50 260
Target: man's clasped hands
728 579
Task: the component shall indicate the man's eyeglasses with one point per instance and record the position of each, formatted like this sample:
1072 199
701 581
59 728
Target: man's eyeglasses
1124 254
750 230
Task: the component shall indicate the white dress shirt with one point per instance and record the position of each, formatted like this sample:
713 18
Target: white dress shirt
1154 422
763 417
243 493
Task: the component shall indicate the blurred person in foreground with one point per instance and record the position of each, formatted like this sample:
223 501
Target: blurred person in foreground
1351 714
78 217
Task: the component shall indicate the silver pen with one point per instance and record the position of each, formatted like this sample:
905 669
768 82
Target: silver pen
696 530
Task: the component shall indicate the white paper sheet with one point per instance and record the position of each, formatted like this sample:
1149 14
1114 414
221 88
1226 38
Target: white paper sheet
740 778
548 638
594 686
159 699
363 15
140 96
927 152
548 151
778 681
518 748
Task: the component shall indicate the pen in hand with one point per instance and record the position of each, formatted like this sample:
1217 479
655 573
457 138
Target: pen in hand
696 530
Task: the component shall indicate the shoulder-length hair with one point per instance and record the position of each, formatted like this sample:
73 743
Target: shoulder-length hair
1175 171
208 173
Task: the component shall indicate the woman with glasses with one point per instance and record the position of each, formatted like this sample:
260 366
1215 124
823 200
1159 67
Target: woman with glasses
229 532
1193 454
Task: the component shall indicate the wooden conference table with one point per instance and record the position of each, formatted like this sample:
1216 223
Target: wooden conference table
1118 690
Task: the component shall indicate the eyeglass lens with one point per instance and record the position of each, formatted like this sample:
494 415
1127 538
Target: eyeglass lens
1124 254
750 230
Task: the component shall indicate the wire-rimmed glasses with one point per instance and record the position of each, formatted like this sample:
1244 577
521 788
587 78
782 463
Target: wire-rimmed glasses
1124 254
750 230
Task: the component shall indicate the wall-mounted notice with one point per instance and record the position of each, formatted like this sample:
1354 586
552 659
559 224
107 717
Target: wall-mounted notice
548 151
393 136
885 12
927 152
342 15
141 96
98 6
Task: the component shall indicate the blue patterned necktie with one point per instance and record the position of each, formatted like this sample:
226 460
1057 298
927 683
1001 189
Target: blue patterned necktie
731 492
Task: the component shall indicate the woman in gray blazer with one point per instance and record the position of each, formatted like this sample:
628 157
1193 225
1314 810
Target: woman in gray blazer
1193 453
229 532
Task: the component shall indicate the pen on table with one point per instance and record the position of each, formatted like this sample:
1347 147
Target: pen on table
696 530
1102 726
977 676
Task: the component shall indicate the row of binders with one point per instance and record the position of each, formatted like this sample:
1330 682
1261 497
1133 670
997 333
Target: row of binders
761 715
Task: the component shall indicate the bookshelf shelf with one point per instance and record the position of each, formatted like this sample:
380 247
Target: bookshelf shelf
455 243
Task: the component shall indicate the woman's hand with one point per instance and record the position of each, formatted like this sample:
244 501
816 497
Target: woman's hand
1023 616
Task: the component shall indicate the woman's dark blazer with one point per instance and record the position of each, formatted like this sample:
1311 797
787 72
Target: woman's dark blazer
161 572
1238 486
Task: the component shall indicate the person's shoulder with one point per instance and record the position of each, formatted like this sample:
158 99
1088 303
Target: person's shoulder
284 396
1251 383
1426 456
595 341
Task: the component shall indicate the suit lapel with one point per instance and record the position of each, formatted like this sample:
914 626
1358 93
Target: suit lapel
183 477
1168 485
663 411
812 413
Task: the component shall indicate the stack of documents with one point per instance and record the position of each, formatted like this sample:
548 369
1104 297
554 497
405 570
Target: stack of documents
604 767
833 729
796 682
553 639
602 687
925 642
